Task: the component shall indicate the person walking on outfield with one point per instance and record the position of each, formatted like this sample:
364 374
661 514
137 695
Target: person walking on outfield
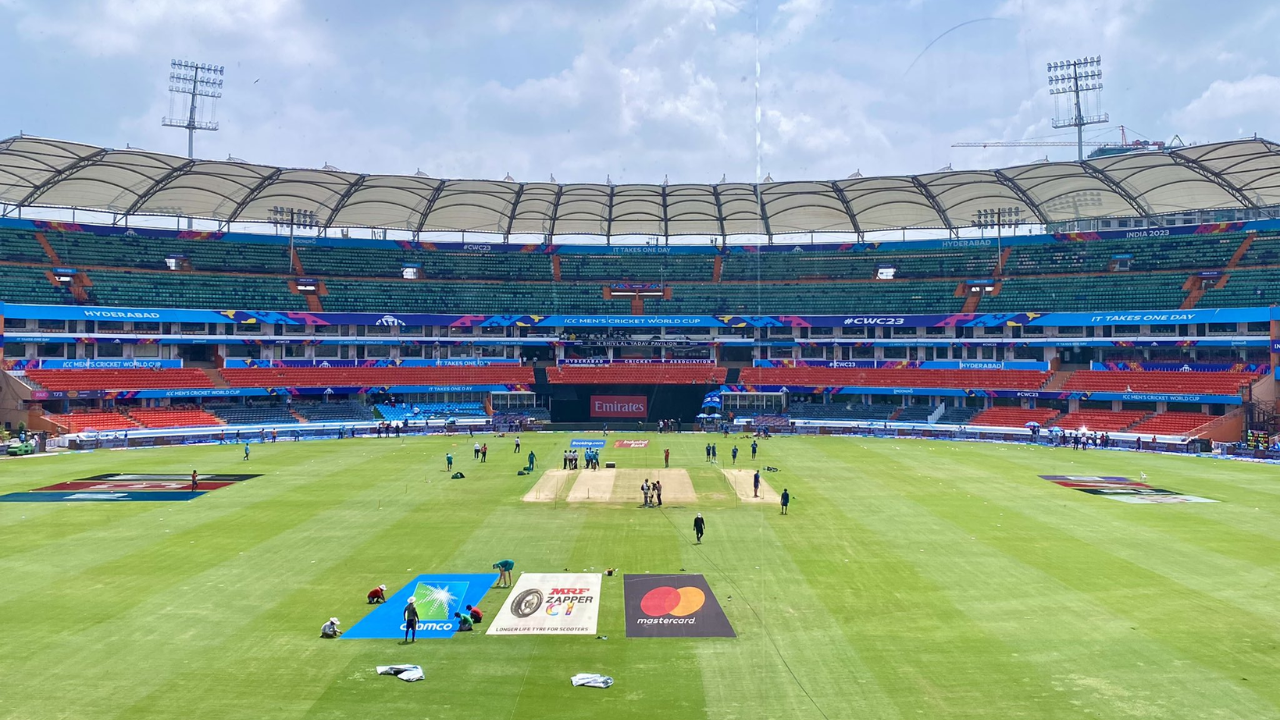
475 452
448 461
786 500
708 452
532 459
755 485
734 453
666 457
411 620
517 444
484 452
195 481
754 445
504 568
246 451
699 526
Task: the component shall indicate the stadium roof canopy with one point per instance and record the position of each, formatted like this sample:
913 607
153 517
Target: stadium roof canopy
37 172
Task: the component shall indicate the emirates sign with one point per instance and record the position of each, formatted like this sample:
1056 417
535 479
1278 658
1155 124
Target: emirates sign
619 406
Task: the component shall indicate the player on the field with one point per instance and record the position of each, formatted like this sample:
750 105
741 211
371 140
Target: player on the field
755 485
754 445
517 444
195 481
734 453
699 526
786 500
246 451
666 457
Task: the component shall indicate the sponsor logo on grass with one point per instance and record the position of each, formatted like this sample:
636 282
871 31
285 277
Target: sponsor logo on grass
1123 489
438 598
83 486
631 443
673 606
37 496
550 604
580 443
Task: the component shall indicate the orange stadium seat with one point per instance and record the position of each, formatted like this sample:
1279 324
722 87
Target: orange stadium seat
891 377
1172 423
127 379
377 377
637 374
94 420
173 417
1199 383
1013 416
1100 420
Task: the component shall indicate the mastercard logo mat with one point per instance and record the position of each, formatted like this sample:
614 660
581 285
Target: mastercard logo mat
668 600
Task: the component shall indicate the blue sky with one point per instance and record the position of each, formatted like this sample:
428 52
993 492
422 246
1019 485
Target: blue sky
633 91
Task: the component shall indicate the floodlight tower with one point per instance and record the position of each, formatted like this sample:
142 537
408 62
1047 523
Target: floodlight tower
195 81
1076 78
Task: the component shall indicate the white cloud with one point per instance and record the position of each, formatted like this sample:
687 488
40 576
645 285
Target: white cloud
278 29
1231 100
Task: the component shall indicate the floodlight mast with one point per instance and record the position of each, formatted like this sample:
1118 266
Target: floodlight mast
1073 77
196 81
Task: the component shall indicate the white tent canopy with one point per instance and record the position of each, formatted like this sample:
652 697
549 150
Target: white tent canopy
37 172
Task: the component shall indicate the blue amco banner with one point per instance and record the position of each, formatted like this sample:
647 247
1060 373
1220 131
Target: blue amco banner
437 597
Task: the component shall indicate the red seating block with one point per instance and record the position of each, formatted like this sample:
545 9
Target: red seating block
637 374
892 377
1014 417
173 417
1172 423
93 420
125 379
377 377
1197 383
1099 420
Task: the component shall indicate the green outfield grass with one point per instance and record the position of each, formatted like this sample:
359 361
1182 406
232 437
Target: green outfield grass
912 579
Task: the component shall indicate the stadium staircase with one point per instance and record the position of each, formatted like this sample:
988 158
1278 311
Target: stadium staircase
215 377
48 249
1057 381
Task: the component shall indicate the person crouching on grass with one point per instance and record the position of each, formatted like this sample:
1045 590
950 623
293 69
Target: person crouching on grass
504 568
477 617
377 595
330 630
464 622
411 620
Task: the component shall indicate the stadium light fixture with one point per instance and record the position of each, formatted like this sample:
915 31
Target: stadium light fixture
1076 78
199 86
293 217
998 218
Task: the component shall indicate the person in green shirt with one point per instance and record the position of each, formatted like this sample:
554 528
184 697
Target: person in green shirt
448 459
504 568
532 459
464 622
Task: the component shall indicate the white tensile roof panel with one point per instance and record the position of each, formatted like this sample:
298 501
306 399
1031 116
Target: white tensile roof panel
39 172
